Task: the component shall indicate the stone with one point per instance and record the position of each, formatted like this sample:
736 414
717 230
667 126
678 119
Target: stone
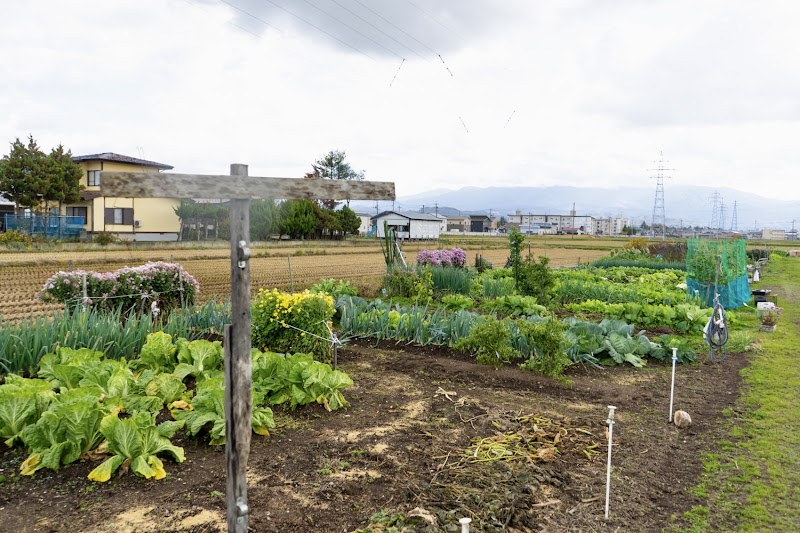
682 419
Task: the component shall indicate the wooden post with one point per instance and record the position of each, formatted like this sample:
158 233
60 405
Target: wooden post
238 366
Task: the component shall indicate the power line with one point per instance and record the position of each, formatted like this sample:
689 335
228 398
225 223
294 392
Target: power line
509 118
396 73
351 28
374 26
462 123
295 15
437 21
394 26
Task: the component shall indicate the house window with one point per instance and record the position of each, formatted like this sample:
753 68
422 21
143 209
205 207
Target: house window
119 215
77 212
93 178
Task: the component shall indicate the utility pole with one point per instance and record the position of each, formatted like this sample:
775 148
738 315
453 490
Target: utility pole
437 208
376 209
659 212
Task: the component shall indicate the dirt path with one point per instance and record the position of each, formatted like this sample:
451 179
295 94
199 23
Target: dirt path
406 443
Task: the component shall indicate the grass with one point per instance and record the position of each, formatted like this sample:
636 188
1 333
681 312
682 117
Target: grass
753 483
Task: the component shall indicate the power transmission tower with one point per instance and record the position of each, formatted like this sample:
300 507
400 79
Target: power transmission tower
734 218
715 199
659 213
722 215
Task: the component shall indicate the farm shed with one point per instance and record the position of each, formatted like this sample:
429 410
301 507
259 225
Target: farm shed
409 225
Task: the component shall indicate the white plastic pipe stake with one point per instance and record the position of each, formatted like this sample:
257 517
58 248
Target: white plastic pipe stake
610 423
465 524
672 388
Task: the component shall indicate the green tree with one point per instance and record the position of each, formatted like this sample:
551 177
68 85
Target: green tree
22 174
327 222
349 221
264 219
628 230
334 167
62 177
297 218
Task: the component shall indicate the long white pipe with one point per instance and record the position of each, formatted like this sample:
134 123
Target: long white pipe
610 423
672 388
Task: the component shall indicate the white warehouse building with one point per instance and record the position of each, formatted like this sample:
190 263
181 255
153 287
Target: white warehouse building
409 225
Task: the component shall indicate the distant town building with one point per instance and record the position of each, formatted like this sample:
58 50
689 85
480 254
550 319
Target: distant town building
366 222
566 224
409 225
773 234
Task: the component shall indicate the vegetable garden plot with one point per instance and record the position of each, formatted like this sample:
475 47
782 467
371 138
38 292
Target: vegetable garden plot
417 416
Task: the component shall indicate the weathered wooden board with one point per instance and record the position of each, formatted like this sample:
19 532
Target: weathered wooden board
167 185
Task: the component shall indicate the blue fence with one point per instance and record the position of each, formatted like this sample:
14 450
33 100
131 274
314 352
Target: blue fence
51 227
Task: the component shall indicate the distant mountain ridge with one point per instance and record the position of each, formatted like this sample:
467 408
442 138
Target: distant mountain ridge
689 204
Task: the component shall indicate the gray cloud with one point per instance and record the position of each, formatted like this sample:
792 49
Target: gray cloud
377 28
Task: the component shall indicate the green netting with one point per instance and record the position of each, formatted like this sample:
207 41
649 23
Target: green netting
718 266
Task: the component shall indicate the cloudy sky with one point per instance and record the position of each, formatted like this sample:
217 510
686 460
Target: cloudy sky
429 93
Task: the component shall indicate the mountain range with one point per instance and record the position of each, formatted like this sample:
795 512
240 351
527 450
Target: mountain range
691 205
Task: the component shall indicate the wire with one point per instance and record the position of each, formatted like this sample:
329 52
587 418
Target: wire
437 21
393 25
262 21
320 29
509 118
396 73
462 123
352 28
374 26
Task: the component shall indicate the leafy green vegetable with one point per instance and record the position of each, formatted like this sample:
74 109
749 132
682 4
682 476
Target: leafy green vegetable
167 387
299 380
157 354
67 366
64 432
22 401
198 356
207 412
136 441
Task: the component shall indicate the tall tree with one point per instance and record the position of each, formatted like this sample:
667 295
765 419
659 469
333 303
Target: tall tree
297 218
264 219
22 174
62 177
348 220
334 167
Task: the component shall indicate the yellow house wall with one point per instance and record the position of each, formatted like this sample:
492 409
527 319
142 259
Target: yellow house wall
156 215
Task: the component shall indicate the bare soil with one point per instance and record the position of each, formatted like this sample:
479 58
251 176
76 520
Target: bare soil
409 440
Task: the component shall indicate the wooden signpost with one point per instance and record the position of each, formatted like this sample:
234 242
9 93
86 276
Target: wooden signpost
240 189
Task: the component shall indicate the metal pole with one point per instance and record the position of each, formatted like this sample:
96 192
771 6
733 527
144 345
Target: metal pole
238 365
291 276
610 423
672 388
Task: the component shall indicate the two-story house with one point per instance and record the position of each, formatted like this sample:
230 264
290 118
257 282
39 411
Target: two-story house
135 219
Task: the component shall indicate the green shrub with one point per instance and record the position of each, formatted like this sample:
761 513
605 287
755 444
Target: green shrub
454 302
536 279
334 287
546 343
288 323
16 237
489 341
482 264
415 284
104 239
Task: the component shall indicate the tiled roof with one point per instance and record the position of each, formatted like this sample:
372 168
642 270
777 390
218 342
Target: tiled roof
118 158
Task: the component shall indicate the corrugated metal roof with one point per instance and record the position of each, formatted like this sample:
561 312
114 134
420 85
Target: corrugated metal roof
411 215
118 158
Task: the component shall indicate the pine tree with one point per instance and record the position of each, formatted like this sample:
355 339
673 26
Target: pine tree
22 174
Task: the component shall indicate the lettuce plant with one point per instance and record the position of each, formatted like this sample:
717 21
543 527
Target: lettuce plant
22 401
157 354
207 412
67 430
136 443
198 356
